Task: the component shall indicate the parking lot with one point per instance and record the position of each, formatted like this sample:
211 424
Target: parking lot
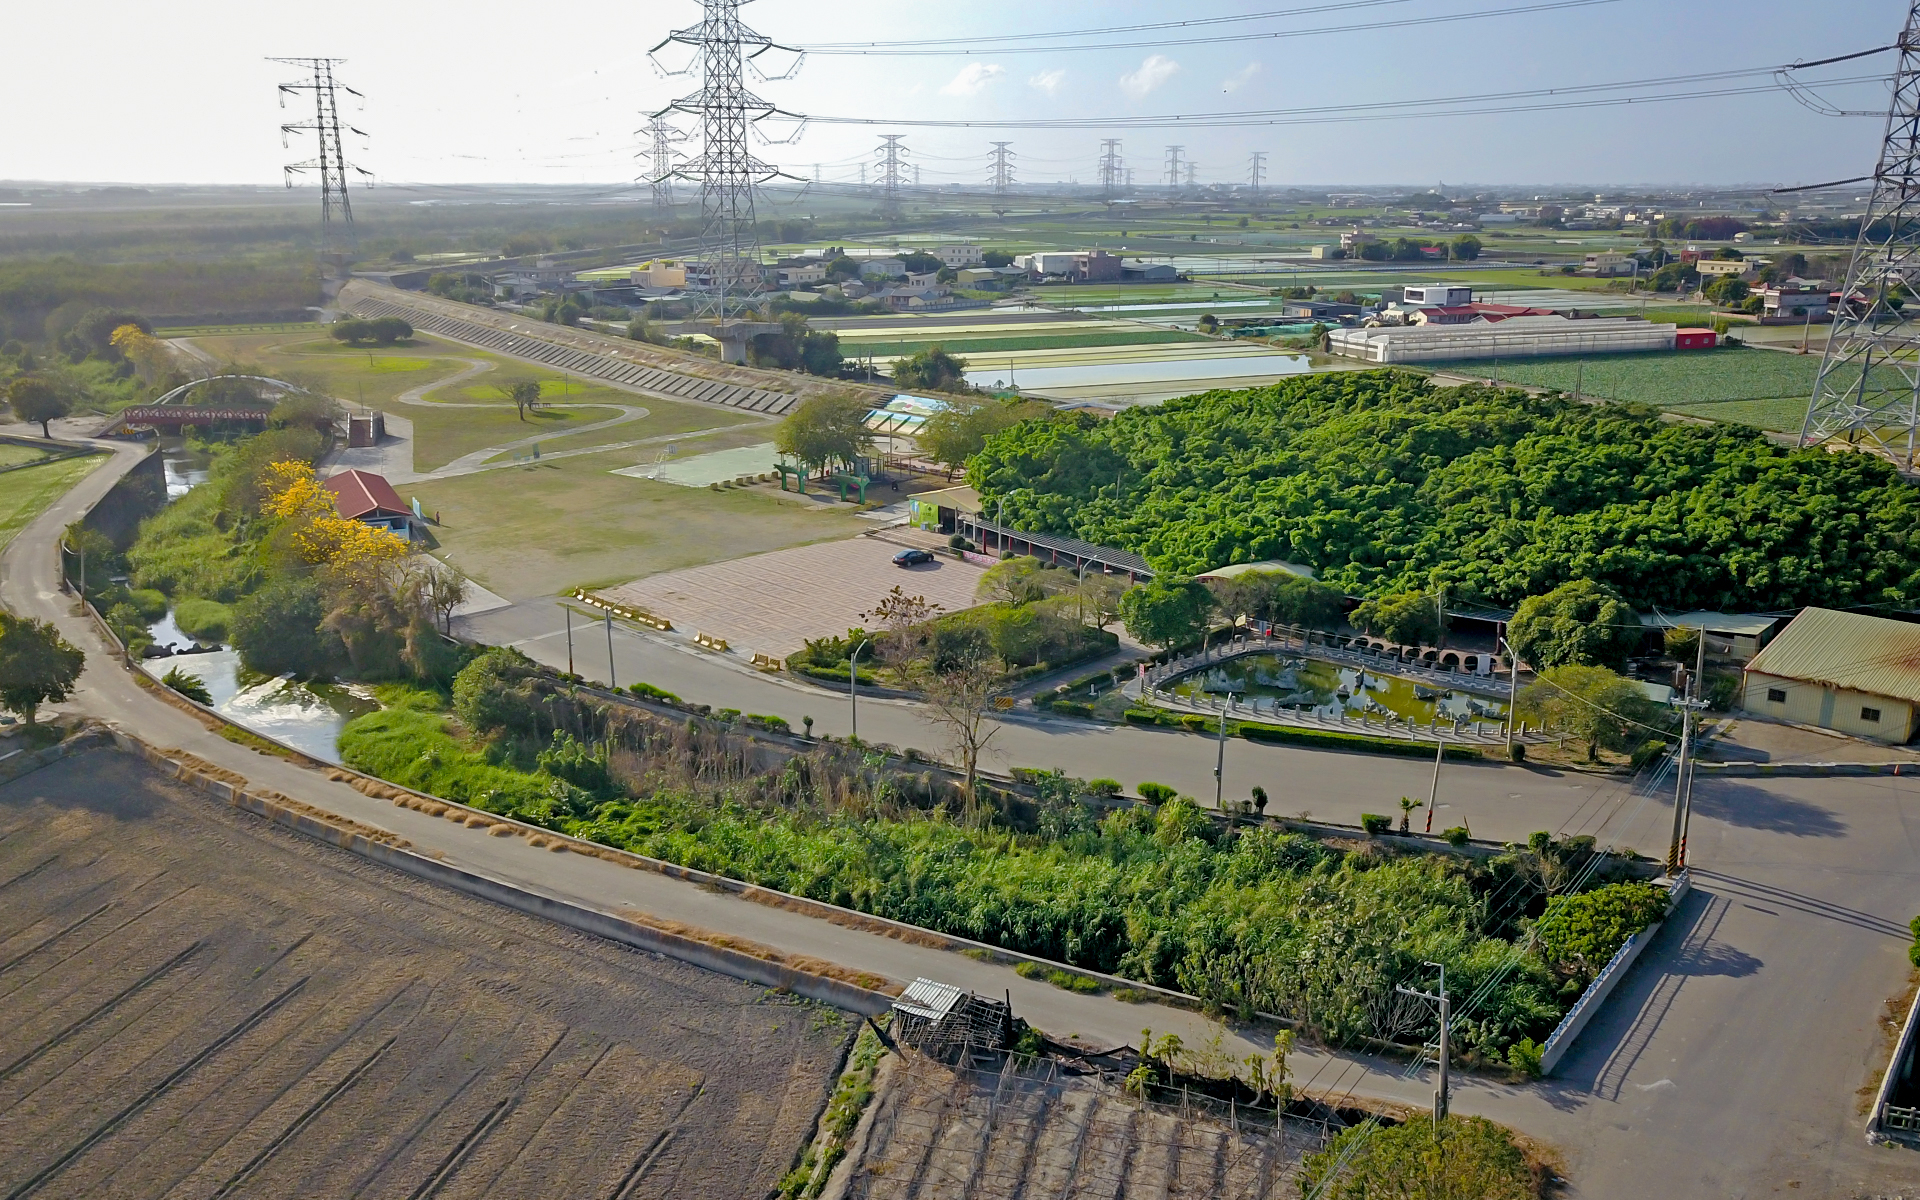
772 603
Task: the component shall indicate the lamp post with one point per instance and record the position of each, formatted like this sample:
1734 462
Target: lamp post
853 685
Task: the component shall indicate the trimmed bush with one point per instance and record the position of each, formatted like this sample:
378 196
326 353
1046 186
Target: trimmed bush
1108 788
652 692
1156 793
1457 835
1351 741
1579 933
1471 1156
1376 823
203 620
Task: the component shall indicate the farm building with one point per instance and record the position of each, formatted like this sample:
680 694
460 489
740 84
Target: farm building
1737 636
1516 337
1847 672
368 498
1695 339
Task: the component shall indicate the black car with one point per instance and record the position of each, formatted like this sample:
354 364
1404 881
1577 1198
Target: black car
912 558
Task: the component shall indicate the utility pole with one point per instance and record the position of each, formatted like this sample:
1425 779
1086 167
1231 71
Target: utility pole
1174 165
726 169
1220 757
1446 1018
613 684
569 611
1872 329
1513 688
1258 175
1110 168
1683 778
853 686
336 210
1433 793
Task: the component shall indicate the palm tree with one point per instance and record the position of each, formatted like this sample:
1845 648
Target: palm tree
1407 805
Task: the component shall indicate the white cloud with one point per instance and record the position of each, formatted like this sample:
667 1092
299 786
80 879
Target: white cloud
972 78
1048 81
1240 78
1156 70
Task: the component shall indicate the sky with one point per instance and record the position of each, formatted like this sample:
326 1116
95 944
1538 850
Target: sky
485 91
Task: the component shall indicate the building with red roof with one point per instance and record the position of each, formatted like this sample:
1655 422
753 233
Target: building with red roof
363 496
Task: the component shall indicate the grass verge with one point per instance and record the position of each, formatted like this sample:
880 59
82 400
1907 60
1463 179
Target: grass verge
26 493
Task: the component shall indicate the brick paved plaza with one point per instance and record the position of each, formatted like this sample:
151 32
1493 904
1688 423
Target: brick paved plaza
772 603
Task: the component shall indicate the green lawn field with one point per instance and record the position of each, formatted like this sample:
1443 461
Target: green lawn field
25 494
1767 388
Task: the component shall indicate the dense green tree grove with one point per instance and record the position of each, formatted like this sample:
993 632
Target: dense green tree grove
1386 484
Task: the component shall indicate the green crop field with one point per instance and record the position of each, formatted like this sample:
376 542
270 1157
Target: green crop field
1720 384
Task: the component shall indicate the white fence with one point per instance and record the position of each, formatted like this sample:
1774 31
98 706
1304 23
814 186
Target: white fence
1563 1035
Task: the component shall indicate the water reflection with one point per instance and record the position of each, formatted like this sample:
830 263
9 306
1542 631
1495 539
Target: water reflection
306 716
1311 685
184 468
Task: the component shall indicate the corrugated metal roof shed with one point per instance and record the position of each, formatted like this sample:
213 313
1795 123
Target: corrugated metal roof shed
926 998
1847 650
1745 624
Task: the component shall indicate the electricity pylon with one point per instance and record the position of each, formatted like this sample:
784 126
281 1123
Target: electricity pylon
1111 169
1174 165
1002 169
1868 391
890 153
336 210
661 160
726 168
1258 174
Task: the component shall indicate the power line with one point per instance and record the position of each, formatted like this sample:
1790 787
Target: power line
336 209
1017 44
1321 114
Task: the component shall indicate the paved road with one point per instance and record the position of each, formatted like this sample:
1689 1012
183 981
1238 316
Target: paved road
1493 800
1728 1065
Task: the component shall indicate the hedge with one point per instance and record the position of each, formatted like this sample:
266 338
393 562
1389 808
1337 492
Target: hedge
1351 741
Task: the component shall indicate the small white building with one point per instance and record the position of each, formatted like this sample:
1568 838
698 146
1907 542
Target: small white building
1607 264
1437 295
800 276
960 256
1057 263
1515 337
882 268
1719 268
659 274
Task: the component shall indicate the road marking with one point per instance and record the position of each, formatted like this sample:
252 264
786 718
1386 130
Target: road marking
1656 1085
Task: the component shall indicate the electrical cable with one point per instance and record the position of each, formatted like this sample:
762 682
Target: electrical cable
992 45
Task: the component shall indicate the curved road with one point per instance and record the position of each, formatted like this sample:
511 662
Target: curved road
1726 1065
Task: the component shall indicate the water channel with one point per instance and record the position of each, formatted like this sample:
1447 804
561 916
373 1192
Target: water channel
1329 689
305 715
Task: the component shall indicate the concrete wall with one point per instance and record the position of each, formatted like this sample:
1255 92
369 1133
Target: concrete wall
1827 707
1568 1031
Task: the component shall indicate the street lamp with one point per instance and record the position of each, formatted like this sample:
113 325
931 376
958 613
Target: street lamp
853 685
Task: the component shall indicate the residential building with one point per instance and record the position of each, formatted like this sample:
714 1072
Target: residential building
802 274
960 256
882 268
1790 303
1606 264
1352 240
659 274
1719 268
1848 672
1466 314
1438 294
1322 310
1514 337
1052 263
368 498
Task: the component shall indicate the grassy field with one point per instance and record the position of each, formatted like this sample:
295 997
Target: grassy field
1761 387
443 432
538 529
25 494
13 453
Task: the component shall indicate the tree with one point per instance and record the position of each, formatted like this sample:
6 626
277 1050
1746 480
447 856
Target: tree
277 629
932 370
37 665
1467 1158
1601 708
1407 618
1578 622
189 686
825 429
445 591
1466 248
920 262
1580 933
381 331
36 401
996 258
1167 613
524 393
1727 291
1021 579
960 682
1407 805
960 430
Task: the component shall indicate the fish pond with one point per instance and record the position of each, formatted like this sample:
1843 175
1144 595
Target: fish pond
1330 690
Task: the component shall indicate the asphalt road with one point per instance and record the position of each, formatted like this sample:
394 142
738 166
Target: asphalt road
1727 1065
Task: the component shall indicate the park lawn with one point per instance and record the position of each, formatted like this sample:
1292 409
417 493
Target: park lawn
370 376
13 453
442 434
539 529
664 418
25 494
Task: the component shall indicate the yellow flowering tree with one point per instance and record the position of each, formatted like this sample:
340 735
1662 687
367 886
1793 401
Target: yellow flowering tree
297 499
148 354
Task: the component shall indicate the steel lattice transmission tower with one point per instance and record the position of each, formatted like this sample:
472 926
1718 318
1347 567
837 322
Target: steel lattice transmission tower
336 210
1112 172
890 153
1174 165
725 168
1002 169
1258 174
1868 391
662 158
